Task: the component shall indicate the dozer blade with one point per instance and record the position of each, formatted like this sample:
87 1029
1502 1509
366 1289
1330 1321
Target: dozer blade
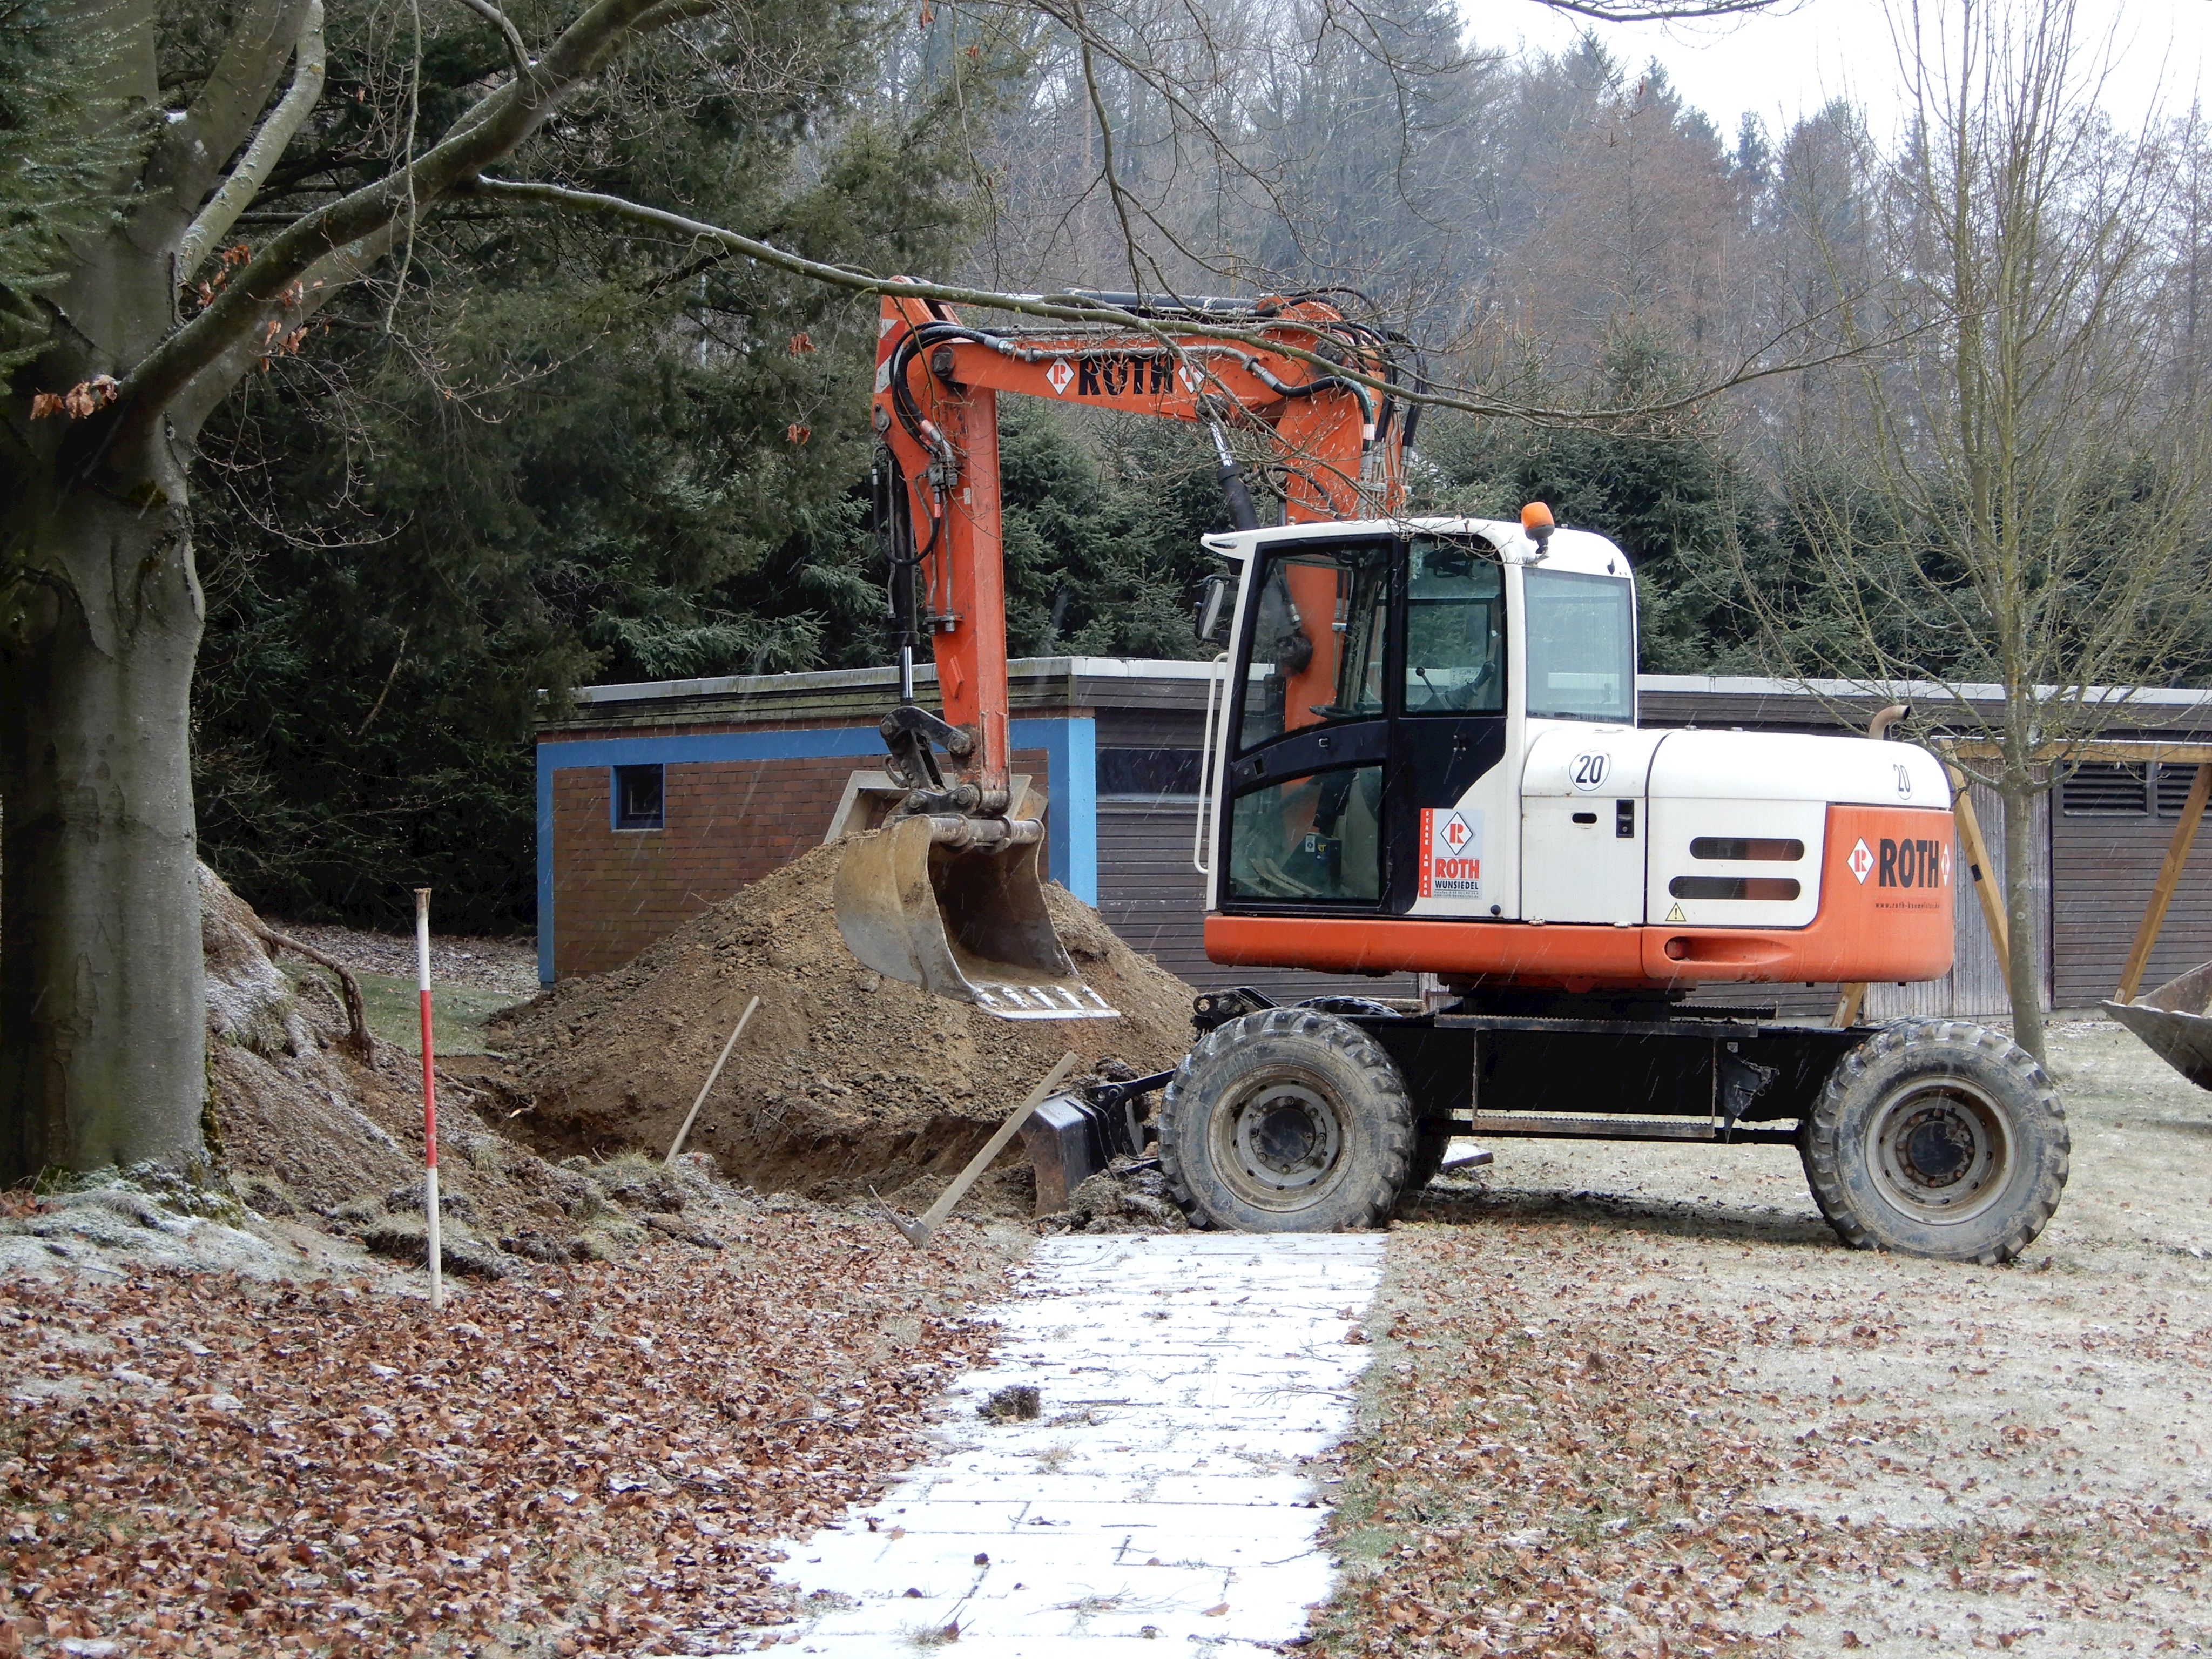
967 921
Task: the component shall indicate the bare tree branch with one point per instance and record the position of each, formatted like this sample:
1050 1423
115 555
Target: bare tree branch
492 129
1074 309
517 53
192 155
246 179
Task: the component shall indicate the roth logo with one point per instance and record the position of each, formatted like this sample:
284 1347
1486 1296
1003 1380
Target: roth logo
1121 374
1911 864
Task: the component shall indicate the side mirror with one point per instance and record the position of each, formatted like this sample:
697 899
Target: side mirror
1211 624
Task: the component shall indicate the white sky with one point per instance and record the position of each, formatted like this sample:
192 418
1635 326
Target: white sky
1788 63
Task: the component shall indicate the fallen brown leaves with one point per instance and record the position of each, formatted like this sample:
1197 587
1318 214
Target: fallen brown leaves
1553 1459
595 1459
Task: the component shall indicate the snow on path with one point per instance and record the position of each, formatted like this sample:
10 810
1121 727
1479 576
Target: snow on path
1160 1494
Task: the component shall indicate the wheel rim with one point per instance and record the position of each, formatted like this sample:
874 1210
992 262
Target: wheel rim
1280 1144
1940 1149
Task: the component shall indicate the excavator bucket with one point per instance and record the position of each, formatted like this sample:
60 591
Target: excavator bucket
2173 1022
964 921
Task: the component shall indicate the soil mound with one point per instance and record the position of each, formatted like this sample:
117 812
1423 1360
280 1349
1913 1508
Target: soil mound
845 1080
308 1128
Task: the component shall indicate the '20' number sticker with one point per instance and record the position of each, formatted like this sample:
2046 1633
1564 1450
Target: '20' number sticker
1587 772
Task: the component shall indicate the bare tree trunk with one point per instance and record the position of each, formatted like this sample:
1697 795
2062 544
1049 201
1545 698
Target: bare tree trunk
2023 926
102 1010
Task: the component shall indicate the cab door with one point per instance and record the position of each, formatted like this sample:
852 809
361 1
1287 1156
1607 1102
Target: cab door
1453 817
1308 820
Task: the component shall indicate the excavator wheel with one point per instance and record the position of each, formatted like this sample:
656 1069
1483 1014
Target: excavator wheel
1433 1141
1287 1121
1938 1138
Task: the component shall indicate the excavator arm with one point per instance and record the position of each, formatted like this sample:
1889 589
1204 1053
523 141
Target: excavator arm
947 895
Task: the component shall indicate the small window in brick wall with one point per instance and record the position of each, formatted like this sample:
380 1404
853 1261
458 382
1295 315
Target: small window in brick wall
640 802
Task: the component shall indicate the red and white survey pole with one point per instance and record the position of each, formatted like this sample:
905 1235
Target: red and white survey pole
429 1099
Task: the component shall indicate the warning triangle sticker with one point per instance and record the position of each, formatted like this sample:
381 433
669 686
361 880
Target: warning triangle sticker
1675 915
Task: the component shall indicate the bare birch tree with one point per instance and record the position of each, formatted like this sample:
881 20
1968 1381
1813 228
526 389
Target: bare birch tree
2017 499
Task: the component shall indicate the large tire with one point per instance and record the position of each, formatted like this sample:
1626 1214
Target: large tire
1287 1121
1432 1139
1939 1138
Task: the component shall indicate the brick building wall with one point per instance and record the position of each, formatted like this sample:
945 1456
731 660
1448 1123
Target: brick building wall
725 823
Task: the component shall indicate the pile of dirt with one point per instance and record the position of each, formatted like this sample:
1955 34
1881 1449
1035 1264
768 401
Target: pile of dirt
308 1130
844 1080
1130 1196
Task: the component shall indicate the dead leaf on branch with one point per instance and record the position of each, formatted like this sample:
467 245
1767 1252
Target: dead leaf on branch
79 401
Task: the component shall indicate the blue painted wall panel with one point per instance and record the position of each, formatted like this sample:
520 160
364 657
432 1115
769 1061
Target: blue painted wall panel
1070 748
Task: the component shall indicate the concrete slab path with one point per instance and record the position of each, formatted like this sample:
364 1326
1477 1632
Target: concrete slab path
1160 1494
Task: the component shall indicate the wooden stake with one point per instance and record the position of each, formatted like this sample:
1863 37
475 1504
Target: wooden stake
1850 998
706 1088
2169 877
1978 866
919 1233
429 1102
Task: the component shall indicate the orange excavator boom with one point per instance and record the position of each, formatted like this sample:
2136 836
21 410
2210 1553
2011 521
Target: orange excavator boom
914 901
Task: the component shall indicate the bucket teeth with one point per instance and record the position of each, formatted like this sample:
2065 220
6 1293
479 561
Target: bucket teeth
968 923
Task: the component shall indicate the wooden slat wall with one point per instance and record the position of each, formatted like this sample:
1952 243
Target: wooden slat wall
2110 865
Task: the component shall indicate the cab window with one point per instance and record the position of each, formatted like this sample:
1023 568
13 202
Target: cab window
1582 647
1318 622
1309 840
1454 629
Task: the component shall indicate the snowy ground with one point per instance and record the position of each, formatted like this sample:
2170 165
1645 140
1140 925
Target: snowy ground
1160 1491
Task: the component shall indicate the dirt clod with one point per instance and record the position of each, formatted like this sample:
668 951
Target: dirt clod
1017 1403
684 1231
534 1246
1130 1197
408 1195
836 1087
403 1238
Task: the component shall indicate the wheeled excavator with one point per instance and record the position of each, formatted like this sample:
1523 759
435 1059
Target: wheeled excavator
1422 755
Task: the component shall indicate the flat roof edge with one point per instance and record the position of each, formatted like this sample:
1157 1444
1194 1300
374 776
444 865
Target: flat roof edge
1031 670
838 679
1970 691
